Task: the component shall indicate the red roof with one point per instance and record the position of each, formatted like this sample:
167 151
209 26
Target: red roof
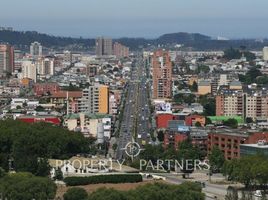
63 94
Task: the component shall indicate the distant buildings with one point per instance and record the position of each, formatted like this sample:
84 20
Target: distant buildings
45 88
36 49
120 51
6 59
162 75
265 53
45 66
104 46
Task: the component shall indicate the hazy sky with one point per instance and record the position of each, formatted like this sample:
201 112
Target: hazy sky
139 18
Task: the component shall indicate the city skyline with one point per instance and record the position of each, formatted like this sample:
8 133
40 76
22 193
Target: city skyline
239 19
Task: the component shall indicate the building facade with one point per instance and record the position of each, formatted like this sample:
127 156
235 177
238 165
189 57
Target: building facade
6 59
104 46
162 75
95 99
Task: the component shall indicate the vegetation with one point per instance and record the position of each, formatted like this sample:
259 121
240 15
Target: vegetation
194 87
161 135
254 75
203 69
232 123
75 194
209 105
232 53
113 178
25 186
249 170
185 151
29 146
157 191
216 159
195 40
184 98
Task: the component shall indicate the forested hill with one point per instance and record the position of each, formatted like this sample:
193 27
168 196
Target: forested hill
20 38
194 41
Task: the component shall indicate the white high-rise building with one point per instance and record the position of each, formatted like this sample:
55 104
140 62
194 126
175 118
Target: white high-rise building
36 49
265 53
29 70
45 66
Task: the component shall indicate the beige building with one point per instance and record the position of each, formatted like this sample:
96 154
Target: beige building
256 106
91 125
204 87
265 53
95 99
235 85
29 70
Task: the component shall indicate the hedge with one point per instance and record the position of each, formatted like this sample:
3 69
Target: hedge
112 178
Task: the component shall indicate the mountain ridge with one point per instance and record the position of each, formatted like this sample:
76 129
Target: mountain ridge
197 41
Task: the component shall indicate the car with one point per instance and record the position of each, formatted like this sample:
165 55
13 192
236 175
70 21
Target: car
258 193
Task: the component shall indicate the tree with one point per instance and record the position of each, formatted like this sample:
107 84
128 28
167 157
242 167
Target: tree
249 120
43 168
194 87
209 105
161 136
31 145
203 68
39 109
232 123
208 121
232 194
25 186
198 124
58 174
75 194
2 172
247 170
216 159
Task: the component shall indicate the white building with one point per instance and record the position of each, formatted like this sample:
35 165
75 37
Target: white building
29 70
265 53
36 49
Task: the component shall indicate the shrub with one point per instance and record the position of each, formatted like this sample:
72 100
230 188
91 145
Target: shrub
113 178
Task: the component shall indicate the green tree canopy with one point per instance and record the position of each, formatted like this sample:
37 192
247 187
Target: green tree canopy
75 194
216 159
25 186
31 145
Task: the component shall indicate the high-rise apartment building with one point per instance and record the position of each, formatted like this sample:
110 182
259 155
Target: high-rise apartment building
36 49
6 59
95 99
247 104
104 46
45 66
230 103
29 70
162 75
265 53
120 51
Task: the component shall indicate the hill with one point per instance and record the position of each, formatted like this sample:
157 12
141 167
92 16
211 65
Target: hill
195 41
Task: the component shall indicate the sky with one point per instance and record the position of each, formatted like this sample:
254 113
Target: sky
138 18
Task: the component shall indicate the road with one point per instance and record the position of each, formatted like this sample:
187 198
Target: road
211 190
135 122
143 109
